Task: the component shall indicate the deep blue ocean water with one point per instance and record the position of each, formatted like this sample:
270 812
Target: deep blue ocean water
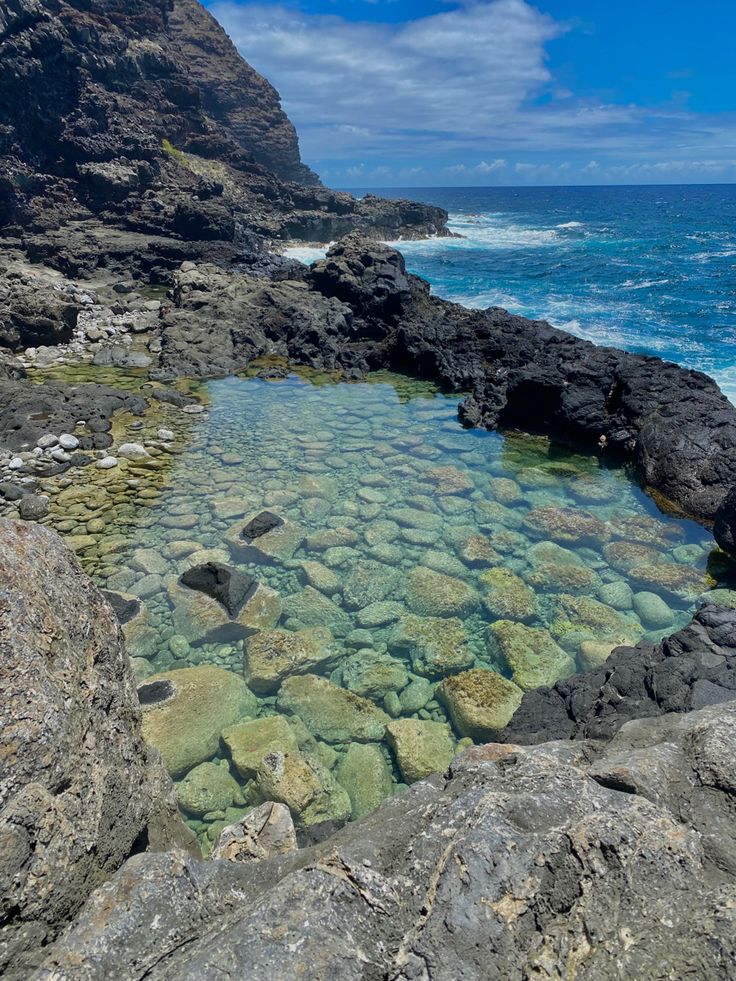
649 269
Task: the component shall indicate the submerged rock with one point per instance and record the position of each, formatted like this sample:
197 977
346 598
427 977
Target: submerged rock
208 787
332 713
436 645
201 617
421 748
272 655
568 525
529 653
373 675
508 597
250 741
304 785
185 712
264 537
433 594
366 776
480 702
310 608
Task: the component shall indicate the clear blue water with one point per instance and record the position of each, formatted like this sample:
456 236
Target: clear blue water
649 269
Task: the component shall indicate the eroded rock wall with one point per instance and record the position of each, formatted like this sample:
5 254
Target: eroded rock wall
79 789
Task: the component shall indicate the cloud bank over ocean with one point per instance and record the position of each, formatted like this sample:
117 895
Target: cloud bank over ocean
467 95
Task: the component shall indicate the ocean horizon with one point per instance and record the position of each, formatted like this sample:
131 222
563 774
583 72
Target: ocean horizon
649 268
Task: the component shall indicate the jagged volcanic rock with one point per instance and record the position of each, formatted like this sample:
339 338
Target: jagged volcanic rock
125 120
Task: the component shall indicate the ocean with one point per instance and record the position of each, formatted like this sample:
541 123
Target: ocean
648 269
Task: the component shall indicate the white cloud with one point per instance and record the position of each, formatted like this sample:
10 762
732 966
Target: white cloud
464 85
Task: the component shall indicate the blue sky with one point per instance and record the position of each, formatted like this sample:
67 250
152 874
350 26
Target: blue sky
479 92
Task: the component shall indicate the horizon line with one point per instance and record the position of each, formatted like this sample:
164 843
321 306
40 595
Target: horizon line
487 187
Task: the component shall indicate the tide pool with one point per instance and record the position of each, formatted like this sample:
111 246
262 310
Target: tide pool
418 578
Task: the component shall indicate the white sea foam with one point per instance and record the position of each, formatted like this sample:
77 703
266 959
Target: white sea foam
307 253
644 284
571 224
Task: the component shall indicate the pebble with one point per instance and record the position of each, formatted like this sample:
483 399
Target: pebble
61 456
132 451
165 435
15 464
33 507
68 442
47 441
106 463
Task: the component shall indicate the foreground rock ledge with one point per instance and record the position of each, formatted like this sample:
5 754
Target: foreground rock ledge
79 789
517 863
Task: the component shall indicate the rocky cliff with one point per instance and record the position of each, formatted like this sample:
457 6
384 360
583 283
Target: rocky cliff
79 789
139 118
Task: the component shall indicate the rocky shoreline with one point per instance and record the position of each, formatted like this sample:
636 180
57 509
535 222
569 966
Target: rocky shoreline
514 854
148 179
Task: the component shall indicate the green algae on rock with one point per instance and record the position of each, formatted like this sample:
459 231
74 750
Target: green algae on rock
421 747
208 787
185 712
480 702
436 645
330 712
529 653
248 742
272 655
365 774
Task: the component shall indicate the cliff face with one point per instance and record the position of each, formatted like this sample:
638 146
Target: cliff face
139 115
235 94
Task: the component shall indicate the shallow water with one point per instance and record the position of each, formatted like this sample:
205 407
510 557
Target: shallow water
387 495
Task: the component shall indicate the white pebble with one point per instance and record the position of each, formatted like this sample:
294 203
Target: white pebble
15 464
107 463
165 435
131 451
68 442
47 441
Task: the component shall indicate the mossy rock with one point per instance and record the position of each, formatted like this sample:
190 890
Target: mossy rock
679 582
208 787
529 653
373 675
273 655
480 702
185 712
570 578
305 786
508 597
365 774
587 613
433 594
371 582
312 609
646 530
437 646
567 525
421 747
248 742
332 713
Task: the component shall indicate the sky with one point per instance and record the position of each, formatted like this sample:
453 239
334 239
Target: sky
481 92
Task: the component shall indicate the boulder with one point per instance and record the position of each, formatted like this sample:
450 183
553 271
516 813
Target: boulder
221 604
332 713
79 788
208 787
436 645
265 832
264 537
365 774
433 594
480 702
304 785
185 713
529 653
724 529
272 655
421 747
508 597
249 742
